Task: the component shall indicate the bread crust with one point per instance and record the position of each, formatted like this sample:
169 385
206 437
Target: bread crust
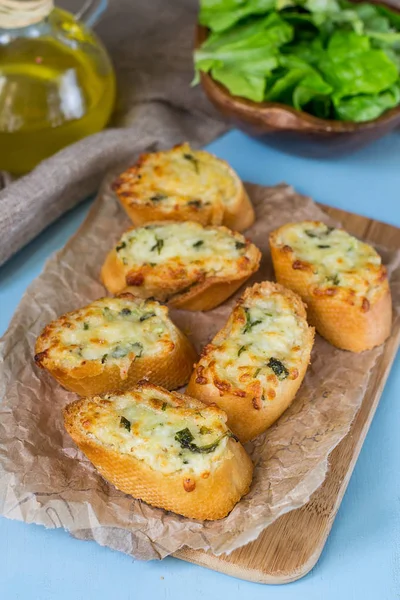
170 369
239 215
246 417
193 496
205 294
342 322
141 215
242 216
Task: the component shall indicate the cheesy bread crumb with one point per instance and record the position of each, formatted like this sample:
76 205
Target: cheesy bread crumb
150 425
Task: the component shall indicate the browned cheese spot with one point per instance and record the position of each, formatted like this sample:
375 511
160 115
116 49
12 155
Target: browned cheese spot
324 291
136 279
382 275
239 393
39 357
199 378
208 348
365 305
299 265
104 401
245 377
223 386
189 484
243 263
115 185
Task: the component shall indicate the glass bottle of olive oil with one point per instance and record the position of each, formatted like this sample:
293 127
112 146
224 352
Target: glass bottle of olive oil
57 85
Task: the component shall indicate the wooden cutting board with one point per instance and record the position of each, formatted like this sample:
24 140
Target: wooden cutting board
289 548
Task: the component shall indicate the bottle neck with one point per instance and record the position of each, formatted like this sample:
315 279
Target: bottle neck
16 14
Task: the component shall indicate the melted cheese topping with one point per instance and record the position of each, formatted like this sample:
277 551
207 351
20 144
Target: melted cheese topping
211 250
110 330
337 258
262 348
149 425
179 177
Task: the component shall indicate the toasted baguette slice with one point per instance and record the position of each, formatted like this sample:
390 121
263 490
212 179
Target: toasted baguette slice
185 264
165 448
182 184
341 279
113 343
254 366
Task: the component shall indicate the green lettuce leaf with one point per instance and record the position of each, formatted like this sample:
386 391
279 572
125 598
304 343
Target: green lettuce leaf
394 56
219 16
282 87
353 68
392 17
246 85
310 88
308 52
332 58
268 31
371 17
322 6
347 44
244 55
240 35
389 38
366 107
252 59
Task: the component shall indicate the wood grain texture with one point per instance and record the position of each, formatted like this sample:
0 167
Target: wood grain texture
290 547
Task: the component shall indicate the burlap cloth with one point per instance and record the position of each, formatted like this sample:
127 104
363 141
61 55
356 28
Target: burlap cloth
150 44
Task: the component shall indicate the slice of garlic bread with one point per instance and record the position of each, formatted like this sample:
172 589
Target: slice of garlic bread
113 343
183 184
185 264
341 279
167 449
254 366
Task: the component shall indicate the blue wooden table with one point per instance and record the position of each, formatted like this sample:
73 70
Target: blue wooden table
361 560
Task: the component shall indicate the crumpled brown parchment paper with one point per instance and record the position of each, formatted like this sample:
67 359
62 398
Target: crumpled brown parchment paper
44 478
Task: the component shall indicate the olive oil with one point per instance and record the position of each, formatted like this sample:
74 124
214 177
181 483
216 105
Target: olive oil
55 88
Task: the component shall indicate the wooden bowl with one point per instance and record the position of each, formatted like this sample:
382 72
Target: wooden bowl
293 130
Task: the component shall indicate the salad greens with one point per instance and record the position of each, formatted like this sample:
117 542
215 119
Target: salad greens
332 58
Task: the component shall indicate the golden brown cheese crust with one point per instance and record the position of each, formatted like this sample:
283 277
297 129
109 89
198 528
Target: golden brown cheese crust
150 443
341 279
183 184
254 366
113 343
185 264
